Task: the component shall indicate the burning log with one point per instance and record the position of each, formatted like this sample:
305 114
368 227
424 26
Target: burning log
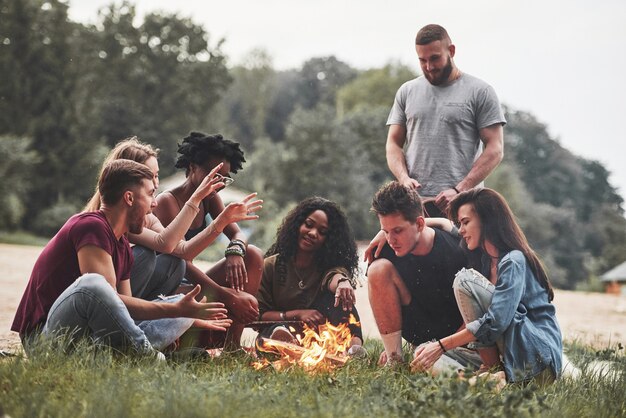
297 352
323 348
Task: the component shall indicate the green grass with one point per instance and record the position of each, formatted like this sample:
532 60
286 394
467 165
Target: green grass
22 238
88 383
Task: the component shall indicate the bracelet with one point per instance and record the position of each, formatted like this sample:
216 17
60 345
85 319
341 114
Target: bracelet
283 316
456 190
441 345
238 243
234 250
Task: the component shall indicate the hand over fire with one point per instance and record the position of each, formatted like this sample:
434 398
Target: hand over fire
345 294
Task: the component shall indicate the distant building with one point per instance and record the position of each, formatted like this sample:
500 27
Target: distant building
615 280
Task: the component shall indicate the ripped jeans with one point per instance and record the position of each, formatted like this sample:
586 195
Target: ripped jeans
473 293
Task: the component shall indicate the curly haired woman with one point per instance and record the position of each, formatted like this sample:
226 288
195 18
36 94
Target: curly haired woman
239 272
309 271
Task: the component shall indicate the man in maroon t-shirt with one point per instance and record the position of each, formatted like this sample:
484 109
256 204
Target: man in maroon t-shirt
80 281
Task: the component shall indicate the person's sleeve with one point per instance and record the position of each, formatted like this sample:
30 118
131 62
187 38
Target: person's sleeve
91 231
328 277
488 109
264 296
397 116
167 240
506 298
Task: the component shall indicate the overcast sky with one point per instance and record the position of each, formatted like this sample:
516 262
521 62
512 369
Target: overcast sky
561 60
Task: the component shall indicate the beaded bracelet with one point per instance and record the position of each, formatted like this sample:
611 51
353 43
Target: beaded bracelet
234 250
238 243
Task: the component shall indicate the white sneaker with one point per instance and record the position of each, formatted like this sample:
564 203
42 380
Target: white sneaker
357 351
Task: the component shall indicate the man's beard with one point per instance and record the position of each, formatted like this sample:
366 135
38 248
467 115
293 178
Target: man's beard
137 220
442 76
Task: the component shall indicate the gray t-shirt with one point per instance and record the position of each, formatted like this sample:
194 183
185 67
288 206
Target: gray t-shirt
442 124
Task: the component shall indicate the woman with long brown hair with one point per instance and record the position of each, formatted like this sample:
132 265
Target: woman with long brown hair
509 313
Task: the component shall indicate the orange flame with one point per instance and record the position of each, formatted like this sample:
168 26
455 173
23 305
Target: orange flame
317 351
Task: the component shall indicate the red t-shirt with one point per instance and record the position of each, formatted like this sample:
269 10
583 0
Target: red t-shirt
57 266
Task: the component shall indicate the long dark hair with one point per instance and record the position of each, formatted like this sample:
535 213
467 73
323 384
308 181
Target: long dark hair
339 249
498 226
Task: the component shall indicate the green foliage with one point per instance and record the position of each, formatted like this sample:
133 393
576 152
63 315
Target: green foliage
22 238
570 213
18 162
51 219
320 79
99 383
77 89
158 80
373 88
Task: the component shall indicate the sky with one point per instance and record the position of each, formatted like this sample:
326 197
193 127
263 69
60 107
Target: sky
557 59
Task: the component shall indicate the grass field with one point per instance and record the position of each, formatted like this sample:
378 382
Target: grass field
87 383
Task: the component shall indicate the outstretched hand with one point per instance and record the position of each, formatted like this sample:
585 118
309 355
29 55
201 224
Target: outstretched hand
210 184
242 211
213 324
189 307
345 295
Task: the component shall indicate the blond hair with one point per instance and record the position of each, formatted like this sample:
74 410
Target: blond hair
127 149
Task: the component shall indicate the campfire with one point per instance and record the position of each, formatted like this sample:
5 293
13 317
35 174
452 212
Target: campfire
321 350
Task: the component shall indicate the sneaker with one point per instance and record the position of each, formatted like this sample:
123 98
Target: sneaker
159 356
281 333
357 351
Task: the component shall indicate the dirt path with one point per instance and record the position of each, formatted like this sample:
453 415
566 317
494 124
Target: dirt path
593 318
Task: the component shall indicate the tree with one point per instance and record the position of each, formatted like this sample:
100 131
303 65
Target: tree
18 162
37 91
320 79
158 80
373 88
247 99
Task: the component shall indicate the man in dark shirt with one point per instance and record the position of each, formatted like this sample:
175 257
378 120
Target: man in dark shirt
80 281
410 286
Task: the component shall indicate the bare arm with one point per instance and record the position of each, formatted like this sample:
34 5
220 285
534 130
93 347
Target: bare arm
165 240
396 161
236 273
493 140
427 354
234 212
241 305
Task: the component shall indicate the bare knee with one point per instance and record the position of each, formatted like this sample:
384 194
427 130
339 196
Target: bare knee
254 258
384 279
379 272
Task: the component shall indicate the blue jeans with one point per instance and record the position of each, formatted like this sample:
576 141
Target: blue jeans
152 275
90 307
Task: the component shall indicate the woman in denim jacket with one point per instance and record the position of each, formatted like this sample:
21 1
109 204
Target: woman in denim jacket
509 315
